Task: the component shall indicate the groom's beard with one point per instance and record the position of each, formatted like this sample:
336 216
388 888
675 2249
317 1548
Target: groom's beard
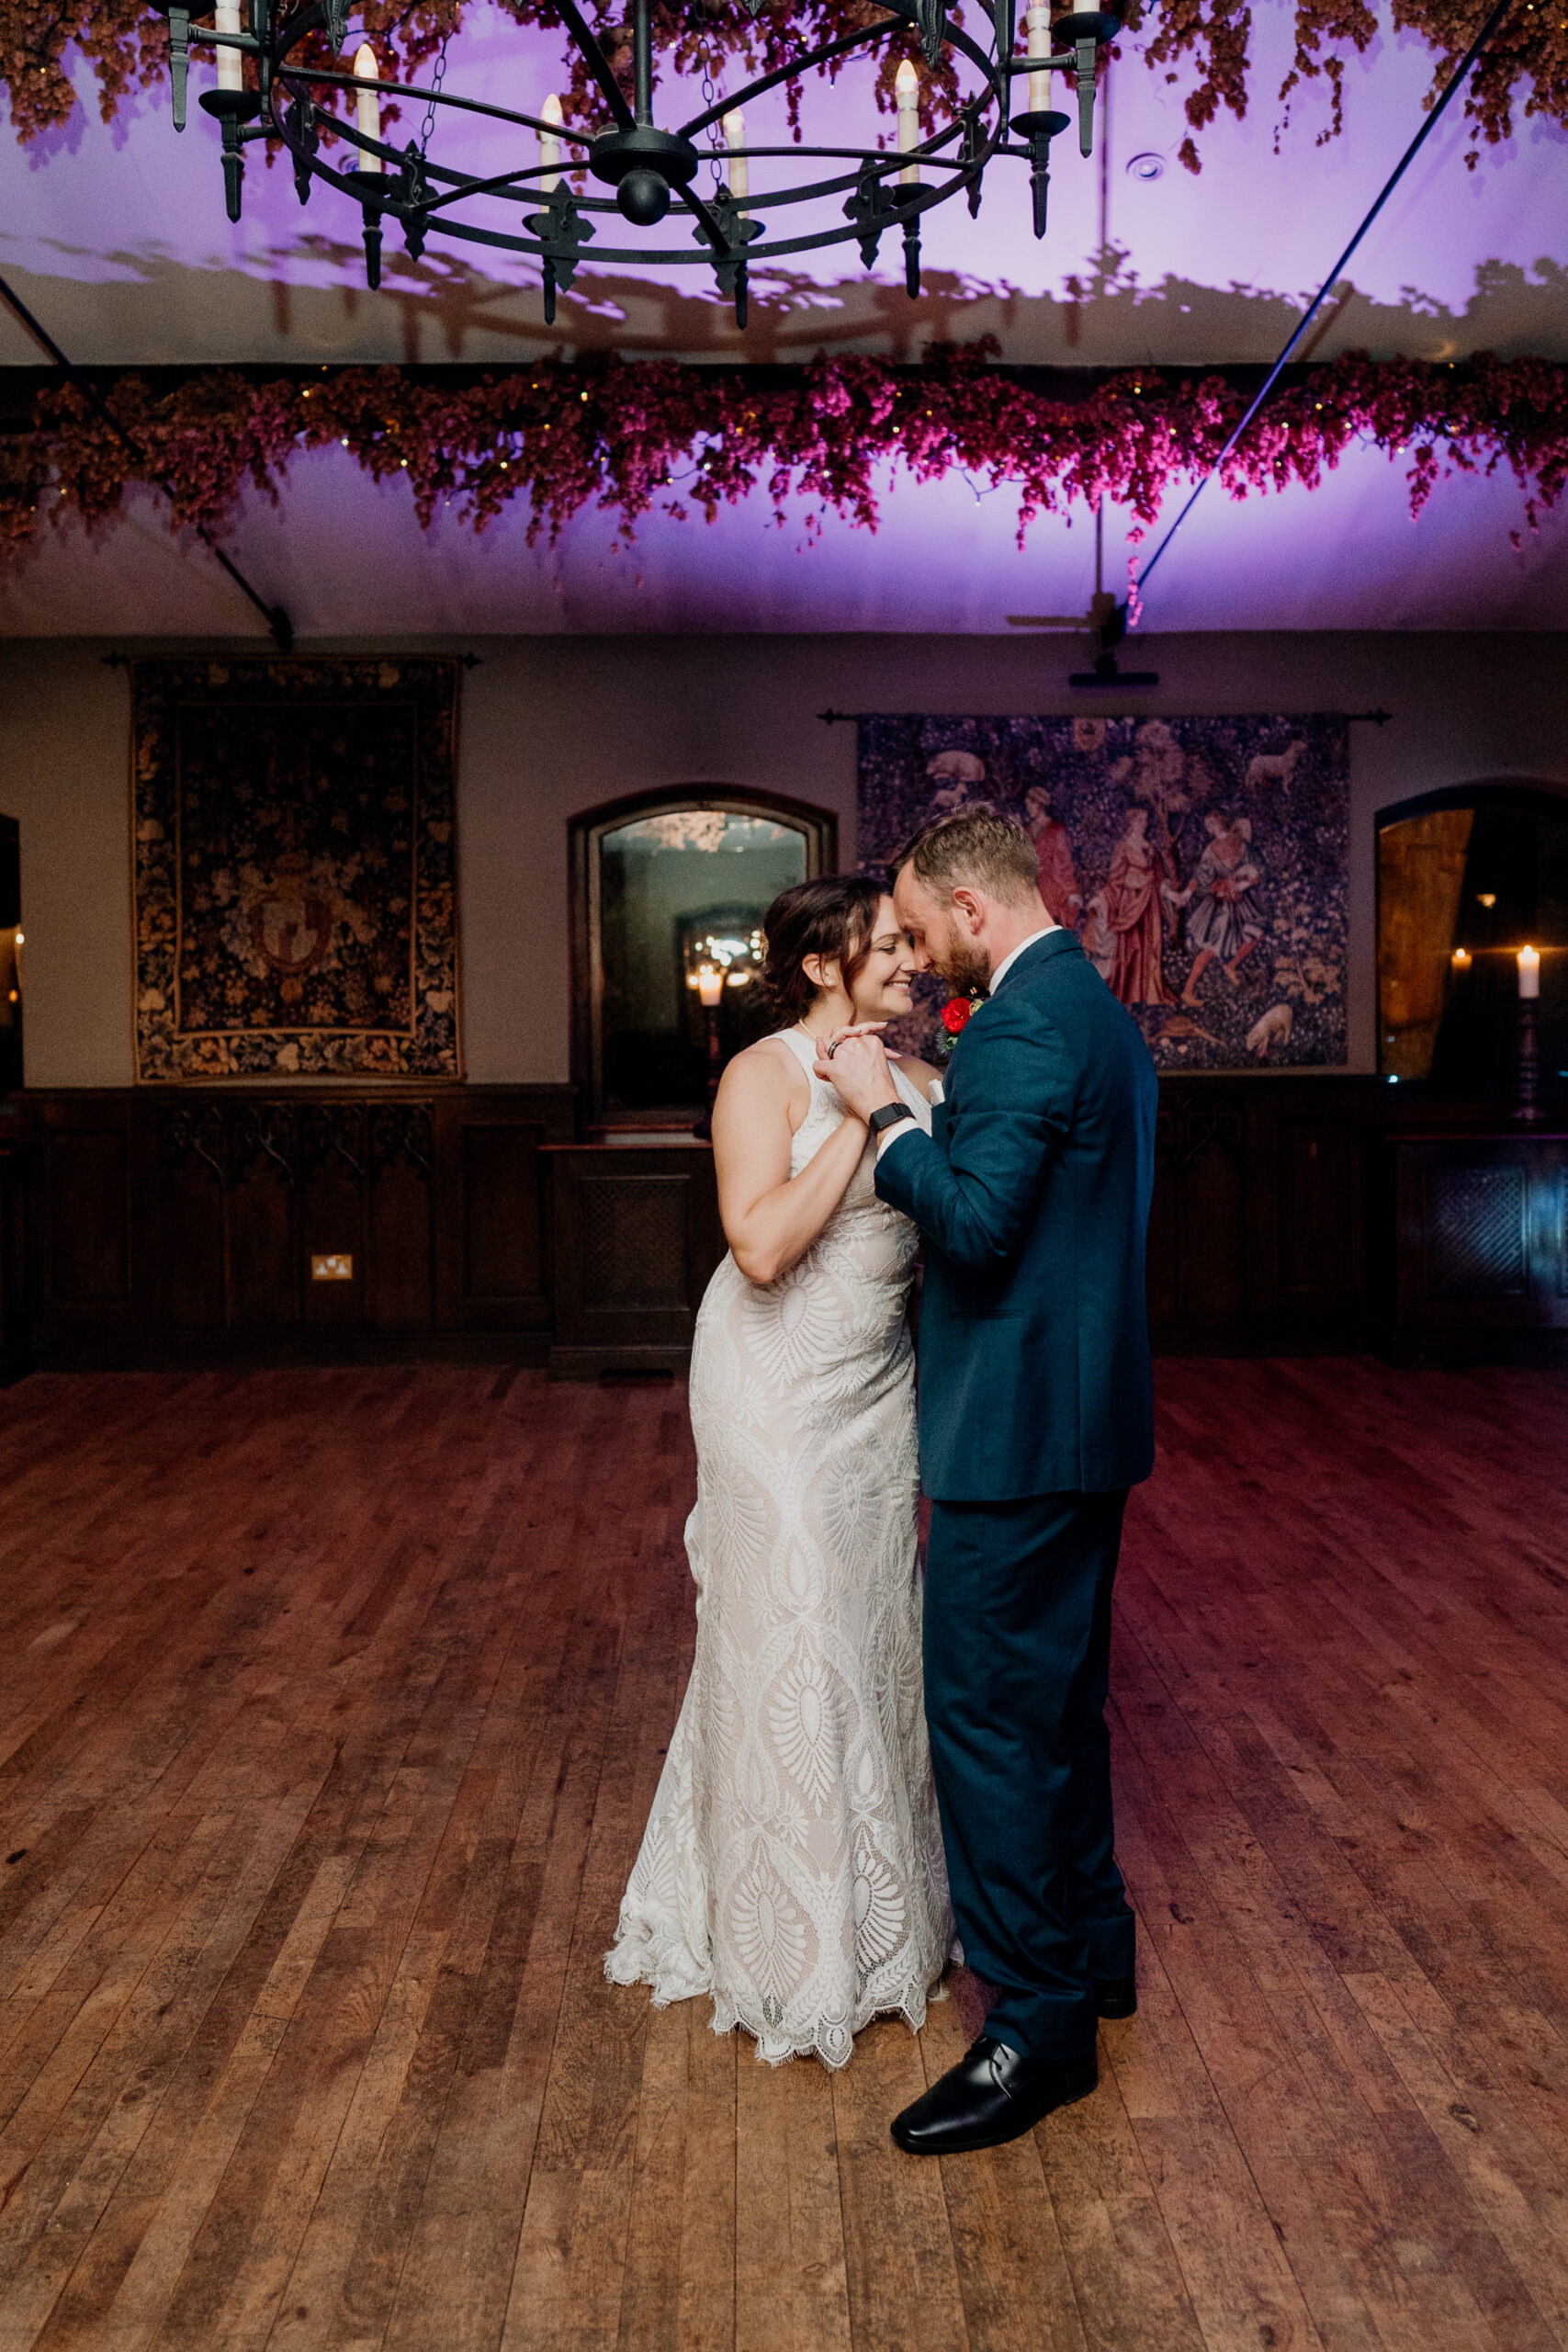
962 962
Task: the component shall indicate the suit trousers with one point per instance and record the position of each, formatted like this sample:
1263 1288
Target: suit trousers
1016 1668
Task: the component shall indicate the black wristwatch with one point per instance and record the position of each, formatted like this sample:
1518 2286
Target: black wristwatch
888 1116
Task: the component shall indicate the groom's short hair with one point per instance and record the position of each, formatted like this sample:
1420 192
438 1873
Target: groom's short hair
974 846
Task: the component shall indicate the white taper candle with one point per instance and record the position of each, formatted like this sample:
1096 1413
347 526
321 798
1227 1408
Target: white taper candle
738 171
368 105
1530 971
907 90
550 147
230 64
1039 23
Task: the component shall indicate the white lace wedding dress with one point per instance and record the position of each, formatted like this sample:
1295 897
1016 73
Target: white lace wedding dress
791 1865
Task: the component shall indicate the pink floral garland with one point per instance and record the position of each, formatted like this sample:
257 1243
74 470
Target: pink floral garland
1527 61
626 437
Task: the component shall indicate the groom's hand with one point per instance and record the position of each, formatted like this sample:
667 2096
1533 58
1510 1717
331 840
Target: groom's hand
859 1069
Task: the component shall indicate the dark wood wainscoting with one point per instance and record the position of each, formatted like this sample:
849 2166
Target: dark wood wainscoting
1291 1215
634 1237
1482 1242
1266 1233
184 1225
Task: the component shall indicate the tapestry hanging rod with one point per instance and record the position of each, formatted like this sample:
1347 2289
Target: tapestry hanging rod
1351 717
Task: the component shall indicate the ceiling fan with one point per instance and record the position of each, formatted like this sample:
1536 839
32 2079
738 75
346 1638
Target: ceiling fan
1105 620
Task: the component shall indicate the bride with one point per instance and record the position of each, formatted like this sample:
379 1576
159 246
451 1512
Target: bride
791 1865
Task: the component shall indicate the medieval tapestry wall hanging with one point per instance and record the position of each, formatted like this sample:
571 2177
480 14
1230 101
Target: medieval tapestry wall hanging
1202 862
295 875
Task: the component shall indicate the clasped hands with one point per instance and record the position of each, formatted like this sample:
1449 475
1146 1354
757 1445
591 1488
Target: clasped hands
854 1062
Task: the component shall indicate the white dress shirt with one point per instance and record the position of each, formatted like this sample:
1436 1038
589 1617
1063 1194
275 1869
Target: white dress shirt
891 1136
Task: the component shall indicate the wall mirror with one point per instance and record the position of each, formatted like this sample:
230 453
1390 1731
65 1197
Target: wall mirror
1466 878
669 892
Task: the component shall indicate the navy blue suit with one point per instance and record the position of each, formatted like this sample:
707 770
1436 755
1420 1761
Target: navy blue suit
1036 1416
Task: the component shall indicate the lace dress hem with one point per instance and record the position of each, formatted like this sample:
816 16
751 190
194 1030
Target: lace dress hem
671 1975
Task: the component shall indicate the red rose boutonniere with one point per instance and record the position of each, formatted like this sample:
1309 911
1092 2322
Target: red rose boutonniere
954 1020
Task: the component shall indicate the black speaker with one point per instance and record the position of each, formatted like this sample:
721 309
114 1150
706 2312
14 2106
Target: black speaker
10 874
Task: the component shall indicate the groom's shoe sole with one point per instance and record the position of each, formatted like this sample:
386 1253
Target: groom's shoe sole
1116 1997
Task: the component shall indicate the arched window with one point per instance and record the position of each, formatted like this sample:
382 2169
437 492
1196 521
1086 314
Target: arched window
1466 878
663 883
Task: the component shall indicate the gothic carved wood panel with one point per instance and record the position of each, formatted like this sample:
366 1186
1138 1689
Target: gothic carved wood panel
184 1221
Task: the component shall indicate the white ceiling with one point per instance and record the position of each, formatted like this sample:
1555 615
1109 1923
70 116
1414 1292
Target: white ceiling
117 238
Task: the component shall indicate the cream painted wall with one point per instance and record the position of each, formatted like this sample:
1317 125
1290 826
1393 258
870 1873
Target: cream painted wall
65 776
552 726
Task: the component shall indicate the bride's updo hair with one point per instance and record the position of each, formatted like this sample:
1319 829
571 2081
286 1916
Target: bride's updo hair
834 918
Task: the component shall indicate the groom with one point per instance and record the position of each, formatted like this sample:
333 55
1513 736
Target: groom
1036 1416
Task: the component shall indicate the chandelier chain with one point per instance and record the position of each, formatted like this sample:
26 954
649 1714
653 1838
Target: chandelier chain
437 77
710 99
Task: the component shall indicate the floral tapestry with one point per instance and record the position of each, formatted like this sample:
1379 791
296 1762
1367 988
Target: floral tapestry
296 904
1202 863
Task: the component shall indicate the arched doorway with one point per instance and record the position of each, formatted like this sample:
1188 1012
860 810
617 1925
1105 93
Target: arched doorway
1466 878
660 881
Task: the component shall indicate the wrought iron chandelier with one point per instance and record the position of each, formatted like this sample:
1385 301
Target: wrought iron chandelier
647 168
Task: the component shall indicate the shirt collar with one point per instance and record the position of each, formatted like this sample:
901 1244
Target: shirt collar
1005 966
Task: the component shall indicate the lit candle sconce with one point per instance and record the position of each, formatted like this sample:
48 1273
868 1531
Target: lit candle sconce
1526 1103
1461 959
1487 897
715 961
10 1009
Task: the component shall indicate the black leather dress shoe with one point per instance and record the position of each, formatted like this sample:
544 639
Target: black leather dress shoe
990 2096
1116 1997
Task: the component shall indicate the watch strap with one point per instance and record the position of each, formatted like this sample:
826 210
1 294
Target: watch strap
888 1116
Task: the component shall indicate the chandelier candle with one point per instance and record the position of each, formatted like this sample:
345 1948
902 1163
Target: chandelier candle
367 104
230 64
549 148
737 173
907 90
1039 22
626 163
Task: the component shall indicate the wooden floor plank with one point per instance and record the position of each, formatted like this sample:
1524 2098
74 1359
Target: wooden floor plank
332 1705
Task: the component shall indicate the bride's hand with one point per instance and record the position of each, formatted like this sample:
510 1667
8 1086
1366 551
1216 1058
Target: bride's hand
858 1068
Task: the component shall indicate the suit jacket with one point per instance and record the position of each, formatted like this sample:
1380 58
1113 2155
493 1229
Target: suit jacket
1032 1192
